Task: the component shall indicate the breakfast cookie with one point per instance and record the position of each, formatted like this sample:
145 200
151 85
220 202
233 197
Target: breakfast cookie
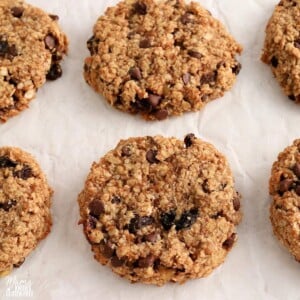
285 190
25 217
282 47
160 58
31 48
158 209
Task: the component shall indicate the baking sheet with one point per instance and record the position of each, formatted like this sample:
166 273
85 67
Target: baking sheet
68 127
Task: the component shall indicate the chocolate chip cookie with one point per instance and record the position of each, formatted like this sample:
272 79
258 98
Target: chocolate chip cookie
160 58
158 209
25 217
31 48
285 190
282 47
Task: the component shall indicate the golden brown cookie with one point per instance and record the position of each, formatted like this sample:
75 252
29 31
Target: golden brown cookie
160 58
158 209
285 190
282 47
25 217
31 48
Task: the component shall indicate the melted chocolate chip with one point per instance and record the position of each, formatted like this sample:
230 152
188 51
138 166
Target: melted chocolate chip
135 73
17 12
187 219
195 54
167 219
229 242
274 62
6 162
96 208
209 77
151 156
188 140
147 261
186 78
55 72
146 43
50 42
24 173
140 8
8 205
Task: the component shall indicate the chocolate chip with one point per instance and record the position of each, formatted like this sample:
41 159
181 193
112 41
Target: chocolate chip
209 77
20 263
96 208
147 261
188 140
285 185
297 189
4 47
186 78
161 114
154 99
115 200
50 42
8 205
146 43
274 62
138 222
229 242
292 97
296 169
186 18
126 151
92 44
24 173
236 69
107 250
151 237
187 219
140 8
167 219
194 54
6 162
151 156
17 11
54 17
135 73
117 262
55 72
236 203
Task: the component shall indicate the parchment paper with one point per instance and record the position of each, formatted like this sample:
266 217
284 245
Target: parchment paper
69 126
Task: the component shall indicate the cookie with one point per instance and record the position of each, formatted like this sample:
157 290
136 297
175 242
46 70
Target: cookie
158 209
25 199
31 48
160 58
282 47
285 191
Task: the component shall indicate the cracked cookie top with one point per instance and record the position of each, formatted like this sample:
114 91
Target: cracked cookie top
159 209
31 47
160 58
25 217
285 191
282 47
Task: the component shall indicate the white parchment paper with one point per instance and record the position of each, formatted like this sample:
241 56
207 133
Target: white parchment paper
68 127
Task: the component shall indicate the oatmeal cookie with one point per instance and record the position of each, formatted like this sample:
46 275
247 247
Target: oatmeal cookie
158 209
31 48
25 217
285 191
282 47
160 58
